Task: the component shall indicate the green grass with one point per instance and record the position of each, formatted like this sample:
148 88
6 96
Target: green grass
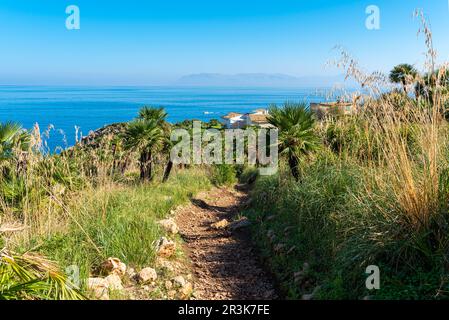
301 215
339 221
119 222
223 174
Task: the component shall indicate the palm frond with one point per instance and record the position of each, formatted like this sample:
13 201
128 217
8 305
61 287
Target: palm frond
143 135
153 113
31 276
296 128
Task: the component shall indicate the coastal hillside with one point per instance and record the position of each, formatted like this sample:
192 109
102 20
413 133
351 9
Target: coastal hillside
108 218
115 218
343 197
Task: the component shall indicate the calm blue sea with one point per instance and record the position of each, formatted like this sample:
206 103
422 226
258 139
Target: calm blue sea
90 108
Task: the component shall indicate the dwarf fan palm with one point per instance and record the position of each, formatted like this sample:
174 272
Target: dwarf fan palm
145 137
30 276
159 116
152 113
296 132
403 74
12 137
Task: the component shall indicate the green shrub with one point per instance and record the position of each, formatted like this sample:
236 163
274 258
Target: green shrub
248 175
341 218
223 174
353 137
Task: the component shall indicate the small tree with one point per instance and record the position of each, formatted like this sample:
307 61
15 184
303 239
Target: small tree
12 137
403 74
296 133
166 149
144 137
157 114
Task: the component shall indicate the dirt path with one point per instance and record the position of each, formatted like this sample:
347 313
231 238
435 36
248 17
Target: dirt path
225 263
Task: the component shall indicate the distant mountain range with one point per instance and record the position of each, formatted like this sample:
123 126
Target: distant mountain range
260 80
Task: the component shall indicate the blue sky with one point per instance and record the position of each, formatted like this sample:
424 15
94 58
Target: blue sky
157 41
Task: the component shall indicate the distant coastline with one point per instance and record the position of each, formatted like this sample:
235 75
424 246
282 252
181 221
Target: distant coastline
262 80
209 80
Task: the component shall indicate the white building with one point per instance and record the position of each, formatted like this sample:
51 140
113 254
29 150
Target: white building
233 120
258 118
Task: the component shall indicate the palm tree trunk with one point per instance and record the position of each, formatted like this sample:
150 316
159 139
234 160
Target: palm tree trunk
123 164
294 166
145 166
404 86
167 171
150 166
114 161
142 166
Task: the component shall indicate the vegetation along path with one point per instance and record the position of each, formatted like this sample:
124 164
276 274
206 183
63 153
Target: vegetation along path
225 263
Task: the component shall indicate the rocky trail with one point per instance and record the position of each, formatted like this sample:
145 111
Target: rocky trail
224 261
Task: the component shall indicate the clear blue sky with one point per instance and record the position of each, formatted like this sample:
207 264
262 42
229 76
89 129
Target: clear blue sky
157 41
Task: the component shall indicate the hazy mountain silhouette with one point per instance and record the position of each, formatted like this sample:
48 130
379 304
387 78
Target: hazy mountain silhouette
260 79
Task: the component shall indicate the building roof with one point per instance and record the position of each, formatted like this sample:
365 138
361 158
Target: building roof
231 115
258 118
